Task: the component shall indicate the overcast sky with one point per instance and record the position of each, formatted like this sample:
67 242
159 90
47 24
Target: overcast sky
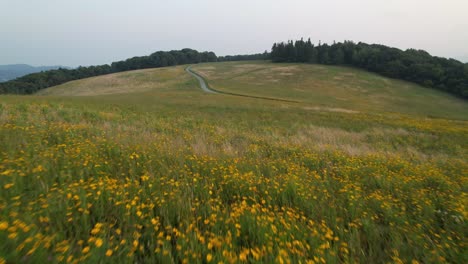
89 32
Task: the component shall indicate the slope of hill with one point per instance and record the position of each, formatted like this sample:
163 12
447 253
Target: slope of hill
32 83
13 71
331 87
417 66
117 83
145 167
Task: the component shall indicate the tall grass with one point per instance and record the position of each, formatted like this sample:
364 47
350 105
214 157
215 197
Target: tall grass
184 177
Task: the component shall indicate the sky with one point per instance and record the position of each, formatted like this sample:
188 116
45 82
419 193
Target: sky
93 32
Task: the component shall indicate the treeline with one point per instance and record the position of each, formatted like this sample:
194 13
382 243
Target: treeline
33 82
411 65
258 56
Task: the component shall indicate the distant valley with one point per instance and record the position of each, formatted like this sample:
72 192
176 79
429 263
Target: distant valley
13 71
464 59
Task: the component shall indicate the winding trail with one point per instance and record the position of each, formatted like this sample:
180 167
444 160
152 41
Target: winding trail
203 84
205 87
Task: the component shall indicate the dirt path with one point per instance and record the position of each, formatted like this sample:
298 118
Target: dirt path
203 84
205 87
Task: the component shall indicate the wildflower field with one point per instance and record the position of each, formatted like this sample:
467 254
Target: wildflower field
168 174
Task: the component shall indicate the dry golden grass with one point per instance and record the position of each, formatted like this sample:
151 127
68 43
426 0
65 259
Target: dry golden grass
121 83
331 88
331 109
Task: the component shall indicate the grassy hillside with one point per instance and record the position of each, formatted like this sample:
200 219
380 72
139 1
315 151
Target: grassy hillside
127 82
332 87
167 173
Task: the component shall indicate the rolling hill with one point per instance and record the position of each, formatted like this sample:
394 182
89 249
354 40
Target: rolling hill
144 166
315 87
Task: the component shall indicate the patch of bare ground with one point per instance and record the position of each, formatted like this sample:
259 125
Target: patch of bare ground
286 69
330 109
206 71
236 71
248 66
241 69
348 74
357 89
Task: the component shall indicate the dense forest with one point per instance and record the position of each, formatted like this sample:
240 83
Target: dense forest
33 82
258 56
411 65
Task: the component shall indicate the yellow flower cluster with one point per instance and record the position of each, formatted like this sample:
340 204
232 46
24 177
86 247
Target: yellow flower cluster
83 192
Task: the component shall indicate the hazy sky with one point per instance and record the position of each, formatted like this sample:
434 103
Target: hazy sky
88 32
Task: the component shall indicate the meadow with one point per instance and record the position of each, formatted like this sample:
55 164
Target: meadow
332 88
143 167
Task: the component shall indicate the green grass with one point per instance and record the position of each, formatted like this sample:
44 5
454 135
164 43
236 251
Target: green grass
120 83
332 88
167 173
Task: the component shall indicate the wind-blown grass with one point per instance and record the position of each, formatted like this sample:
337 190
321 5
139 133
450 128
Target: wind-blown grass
332 88
175 175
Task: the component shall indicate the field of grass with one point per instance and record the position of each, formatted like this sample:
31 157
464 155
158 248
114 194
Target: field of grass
169 174
120 83
332 88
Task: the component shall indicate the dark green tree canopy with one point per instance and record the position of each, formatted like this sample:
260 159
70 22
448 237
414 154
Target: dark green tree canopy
411 65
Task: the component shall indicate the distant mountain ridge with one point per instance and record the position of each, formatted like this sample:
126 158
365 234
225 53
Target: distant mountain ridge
13 71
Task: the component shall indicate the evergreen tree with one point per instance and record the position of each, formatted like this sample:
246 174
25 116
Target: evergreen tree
412 65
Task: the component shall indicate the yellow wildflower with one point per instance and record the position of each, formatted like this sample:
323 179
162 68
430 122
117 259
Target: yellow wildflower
3 225
7 172
98 242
